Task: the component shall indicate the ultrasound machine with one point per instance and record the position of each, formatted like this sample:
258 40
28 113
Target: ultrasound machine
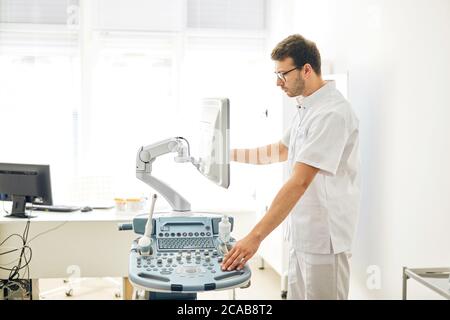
179 253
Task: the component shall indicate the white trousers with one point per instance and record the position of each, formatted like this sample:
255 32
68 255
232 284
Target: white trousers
318 276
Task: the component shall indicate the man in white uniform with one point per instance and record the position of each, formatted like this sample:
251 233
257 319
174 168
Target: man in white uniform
321 198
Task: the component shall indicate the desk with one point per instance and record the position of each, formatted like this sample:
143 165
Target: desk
79 244
436 279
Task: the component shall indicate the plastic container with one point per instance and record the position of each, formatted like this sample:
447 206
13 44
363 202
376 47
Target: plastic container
121 204
135 204
224 229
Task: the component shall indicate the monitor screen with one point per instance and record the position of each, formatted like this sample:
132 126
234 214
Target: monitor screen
22 183
214 157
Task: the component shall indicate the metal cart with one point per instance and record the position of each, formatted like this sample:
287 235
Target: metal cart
436 279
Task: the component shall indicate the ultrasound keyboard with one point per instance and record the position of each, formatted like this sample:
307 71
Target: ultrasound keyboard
186 256
185 243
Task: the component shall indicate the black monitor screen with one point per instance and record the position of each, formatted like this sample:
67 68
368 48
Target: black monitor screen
23 183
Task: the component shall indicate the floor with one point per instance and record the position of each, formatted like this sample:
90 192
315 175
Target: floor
265 285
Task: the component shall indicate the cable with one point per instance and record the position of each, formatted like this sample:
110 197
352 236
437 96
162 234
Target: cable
16 269
47 231
13 283
10 251
19 267
6 252
10 262
14 234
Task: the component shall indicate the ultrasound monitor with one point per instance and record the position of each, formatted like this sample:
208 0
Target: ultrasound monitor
214 151
25 183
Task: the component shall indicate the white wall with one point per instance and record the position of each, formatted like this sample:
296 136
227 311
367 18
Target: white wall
397 54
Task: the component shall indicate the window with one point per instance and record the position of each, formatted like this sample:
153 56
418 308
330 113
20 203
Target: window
84 94
39 87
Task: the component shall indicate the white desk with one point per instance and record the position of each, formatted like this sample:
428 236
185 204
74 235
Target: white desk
86 243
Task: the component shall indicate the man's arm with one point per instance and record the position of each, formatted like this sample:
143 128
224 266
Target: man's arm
272 153
283 203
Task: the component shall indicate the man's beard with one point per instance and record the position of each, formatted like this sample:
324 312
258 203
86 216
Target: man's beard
299 88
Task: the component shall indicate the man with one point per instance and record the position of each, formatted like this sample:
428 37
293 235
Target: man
321 198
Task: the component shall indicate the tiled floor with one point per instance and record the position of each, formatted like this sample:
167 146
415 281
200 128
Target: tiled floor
265 285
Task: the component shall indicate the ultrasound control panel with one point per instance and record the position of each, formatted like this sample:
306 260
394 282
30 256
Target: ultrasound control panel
186 255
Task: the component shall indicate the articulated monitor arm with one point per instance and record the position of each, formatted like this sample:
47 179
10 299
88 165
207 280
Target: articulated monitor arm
146 156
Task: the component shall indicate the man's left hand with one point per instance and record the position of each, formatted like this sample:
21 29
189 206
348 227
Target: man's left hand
241 253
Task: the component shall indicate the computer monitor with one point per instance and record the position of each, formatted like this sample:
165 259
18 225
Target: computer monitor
214 151
22 183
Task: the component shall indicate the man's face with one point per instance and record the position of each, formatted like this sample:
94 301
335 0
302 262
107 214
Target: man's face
294 84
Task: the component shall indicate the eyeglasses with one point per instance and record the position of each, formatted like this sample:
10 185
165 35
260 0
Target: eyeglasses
281 75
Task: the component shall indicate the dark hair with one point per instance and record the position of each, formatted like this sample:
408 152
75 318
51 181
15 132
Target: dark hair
301 50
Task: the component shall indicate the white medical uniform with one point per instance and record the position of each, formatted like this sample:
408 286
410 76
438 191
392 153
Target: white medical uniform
321 226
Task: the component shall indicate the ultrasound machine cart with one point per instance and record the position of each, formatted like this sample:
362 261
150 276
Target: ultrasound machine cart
186 257
179 253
